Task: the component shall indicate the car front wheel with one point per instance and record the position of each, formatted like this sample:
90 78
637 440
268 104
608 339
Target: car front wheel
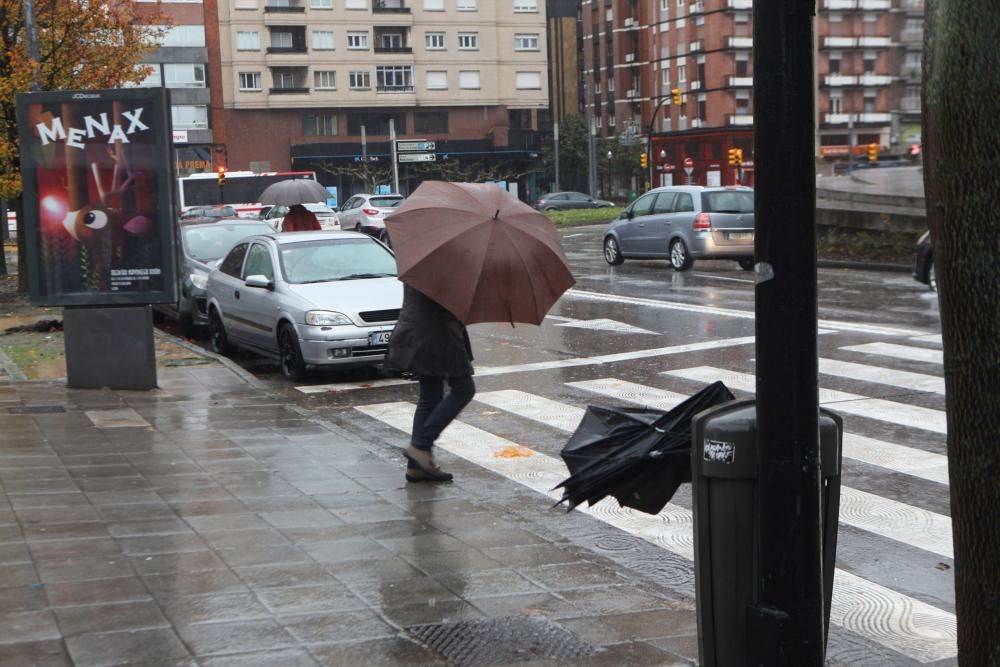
680 260
612 253
290 357
217 334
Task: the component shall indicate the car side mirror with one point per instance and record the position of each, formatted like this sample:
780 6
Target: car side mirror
628 214
259 281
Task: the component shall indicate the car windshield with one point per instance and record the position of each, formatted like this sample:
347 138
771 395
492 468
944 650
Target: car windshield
208 242
336 259
728 201
222 212
385 202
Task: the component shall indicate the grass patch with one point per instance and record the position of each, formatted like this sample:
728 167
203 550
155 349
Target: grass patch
584 216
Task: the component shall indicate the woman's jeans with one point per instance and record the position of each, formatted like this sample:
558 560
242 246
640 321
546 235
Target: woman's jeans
435 410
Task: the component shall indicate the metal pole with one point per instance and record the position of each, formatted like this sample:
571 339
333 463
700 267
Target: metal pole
28 8
786 616
555 142
592 159
649 139
364 146
392 149
850 142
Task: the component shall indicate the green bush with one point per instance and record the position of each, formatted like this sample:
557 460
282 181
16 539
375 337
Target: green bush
586 215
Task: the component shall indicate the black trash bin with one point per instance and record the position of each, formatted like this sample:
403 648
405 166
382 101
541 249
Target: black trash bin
724 478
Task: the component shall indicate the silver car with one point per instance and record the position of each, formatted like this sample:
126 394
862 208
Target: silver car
366 213
327 299
685 223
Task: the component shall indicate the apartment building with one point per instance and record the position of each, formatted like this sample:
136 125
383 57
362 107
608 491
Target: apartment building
637 53
188 64
305 80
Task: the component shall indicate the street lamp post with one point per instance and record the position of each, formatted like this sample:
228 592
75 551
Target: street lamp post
609 178
649 137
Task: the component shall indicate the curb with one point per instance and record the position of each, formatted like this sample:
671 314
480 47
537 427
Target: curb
244 374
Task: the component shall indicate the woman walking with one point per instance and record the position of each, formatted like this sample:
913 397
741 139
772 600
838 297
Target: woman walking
432 344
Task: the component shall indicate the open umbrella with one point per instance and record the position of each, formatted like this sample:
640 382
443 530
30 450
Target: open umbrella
638 456
294 191
479 252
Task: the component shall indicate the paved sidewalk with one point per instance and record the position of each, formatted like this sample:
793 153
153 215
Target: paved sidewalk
205 523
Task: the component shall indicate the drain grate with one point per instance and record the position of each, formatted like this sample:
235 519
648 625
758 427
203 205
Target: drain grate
501 641
36 410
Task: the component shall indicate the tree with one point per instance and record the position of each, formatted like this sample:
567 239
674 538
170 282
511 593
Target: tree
82 44
572 154
961 141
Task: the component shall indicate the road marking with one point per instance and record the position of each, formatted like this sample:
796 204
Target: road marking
898 521
906 352
930 338
897 458
911 416
605 324
715 277
899 622
878 375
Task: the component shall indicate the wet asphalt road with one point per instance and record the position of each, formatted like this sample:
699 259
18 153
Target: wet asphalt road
877 334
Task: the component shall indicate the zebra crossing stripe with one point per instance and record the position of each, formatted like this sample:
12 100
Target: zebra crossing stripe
929 338
897 521
912 416
899 622
897 458
908 352
877 375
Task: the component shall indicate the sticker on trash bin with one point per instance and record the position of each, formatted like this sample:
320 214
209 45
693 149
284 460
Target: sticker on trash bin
717 451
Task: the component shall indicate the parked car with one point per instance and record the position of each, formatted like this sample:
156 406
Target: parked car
208 213
685 223
564 201
328 218
201 245
366 213
325 299
923 262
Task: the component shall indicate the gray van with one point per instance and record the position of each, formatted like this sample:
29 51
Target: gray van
683 223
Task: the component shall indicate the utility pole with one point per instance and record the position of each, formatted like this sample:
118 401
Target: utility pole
28 8
555 146
787 613
395 158
592 158
364 146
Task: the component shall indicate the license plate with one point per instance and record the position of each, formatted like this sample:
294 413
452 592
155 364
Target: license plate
740 236
379 337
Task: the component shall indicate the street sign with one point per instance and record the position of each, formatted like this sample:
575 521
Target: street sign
417 157
414 146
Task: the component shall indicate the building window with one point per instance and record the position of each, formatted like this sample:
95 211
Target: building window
321 4
245 4
390 40
834 17
742 68
322 40
742 103
869 63
467 5
357 40
319 124
741 17
833 60
526 42
247 41
434 41
528 80
394 78
468 41
430 122
597 87
250 81
869 101
836 104
468 79
184 75
281 39
325 80
153 78
288 77
433 5
437 80
355 4
184 35
374 123
525 5
682 76
360 80
189 117
869 17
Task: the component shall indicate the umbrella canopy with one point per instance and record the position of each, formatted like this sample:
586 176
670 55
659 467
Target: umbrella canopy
638 456
294 191
479 252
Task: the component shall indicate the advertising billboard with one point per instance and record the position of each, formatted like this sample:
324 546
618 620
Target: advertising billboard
97 173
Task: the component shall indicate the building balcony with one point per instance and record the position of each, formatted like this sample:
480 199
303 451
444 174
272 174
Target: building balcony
630 23
278 50
912 36
913 72
279 9
393 49
910 104
389 7
839 42
840 5
392 90
741 42
740 82
858 118
694 85
836 118
865 5
630 57
875 80
875 118
739 5
840 80
875 42
632 93
912 6
288 91
739 119
696 45
875 5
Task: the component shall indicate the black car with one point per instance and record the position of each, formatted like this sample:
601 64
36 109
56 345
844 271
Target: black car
923 262
565 201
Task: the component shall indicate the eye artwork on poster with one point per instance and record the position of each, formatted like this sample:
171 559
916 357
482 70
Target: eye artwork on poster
97 177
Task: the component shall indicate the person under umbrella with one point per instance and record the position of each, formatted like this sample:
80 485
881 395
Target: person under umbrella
300 219
431 343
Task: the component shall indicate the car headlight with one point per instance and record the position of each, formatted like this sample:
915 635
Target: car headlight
326 318
199 279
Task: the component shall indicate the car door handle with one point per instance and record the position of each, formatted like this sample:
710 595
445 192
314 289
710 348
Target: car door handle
236 294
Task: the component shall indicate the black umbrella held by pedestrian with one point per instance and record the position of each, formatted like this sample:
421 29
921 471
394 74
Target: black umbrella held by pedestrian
638 456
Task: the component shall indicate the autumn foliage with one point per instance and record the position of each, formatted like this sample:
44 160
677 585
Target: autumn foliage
82 45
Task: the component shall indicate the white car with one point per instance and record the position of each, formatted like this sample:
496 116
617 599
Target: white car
366 213
328 218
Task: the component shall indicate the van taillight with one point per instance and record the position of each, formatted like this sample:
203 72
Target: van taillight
702 223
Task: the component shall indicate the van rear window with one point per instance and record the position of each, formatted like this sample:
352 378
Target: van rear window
727 201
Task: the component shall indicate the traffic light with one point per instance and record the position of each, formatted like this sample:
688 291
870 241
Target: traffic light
872 152
675 94
735 157
643 160
221 171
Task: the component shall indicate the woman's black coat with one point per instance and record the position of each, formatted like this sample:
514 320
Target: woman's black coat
428 340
